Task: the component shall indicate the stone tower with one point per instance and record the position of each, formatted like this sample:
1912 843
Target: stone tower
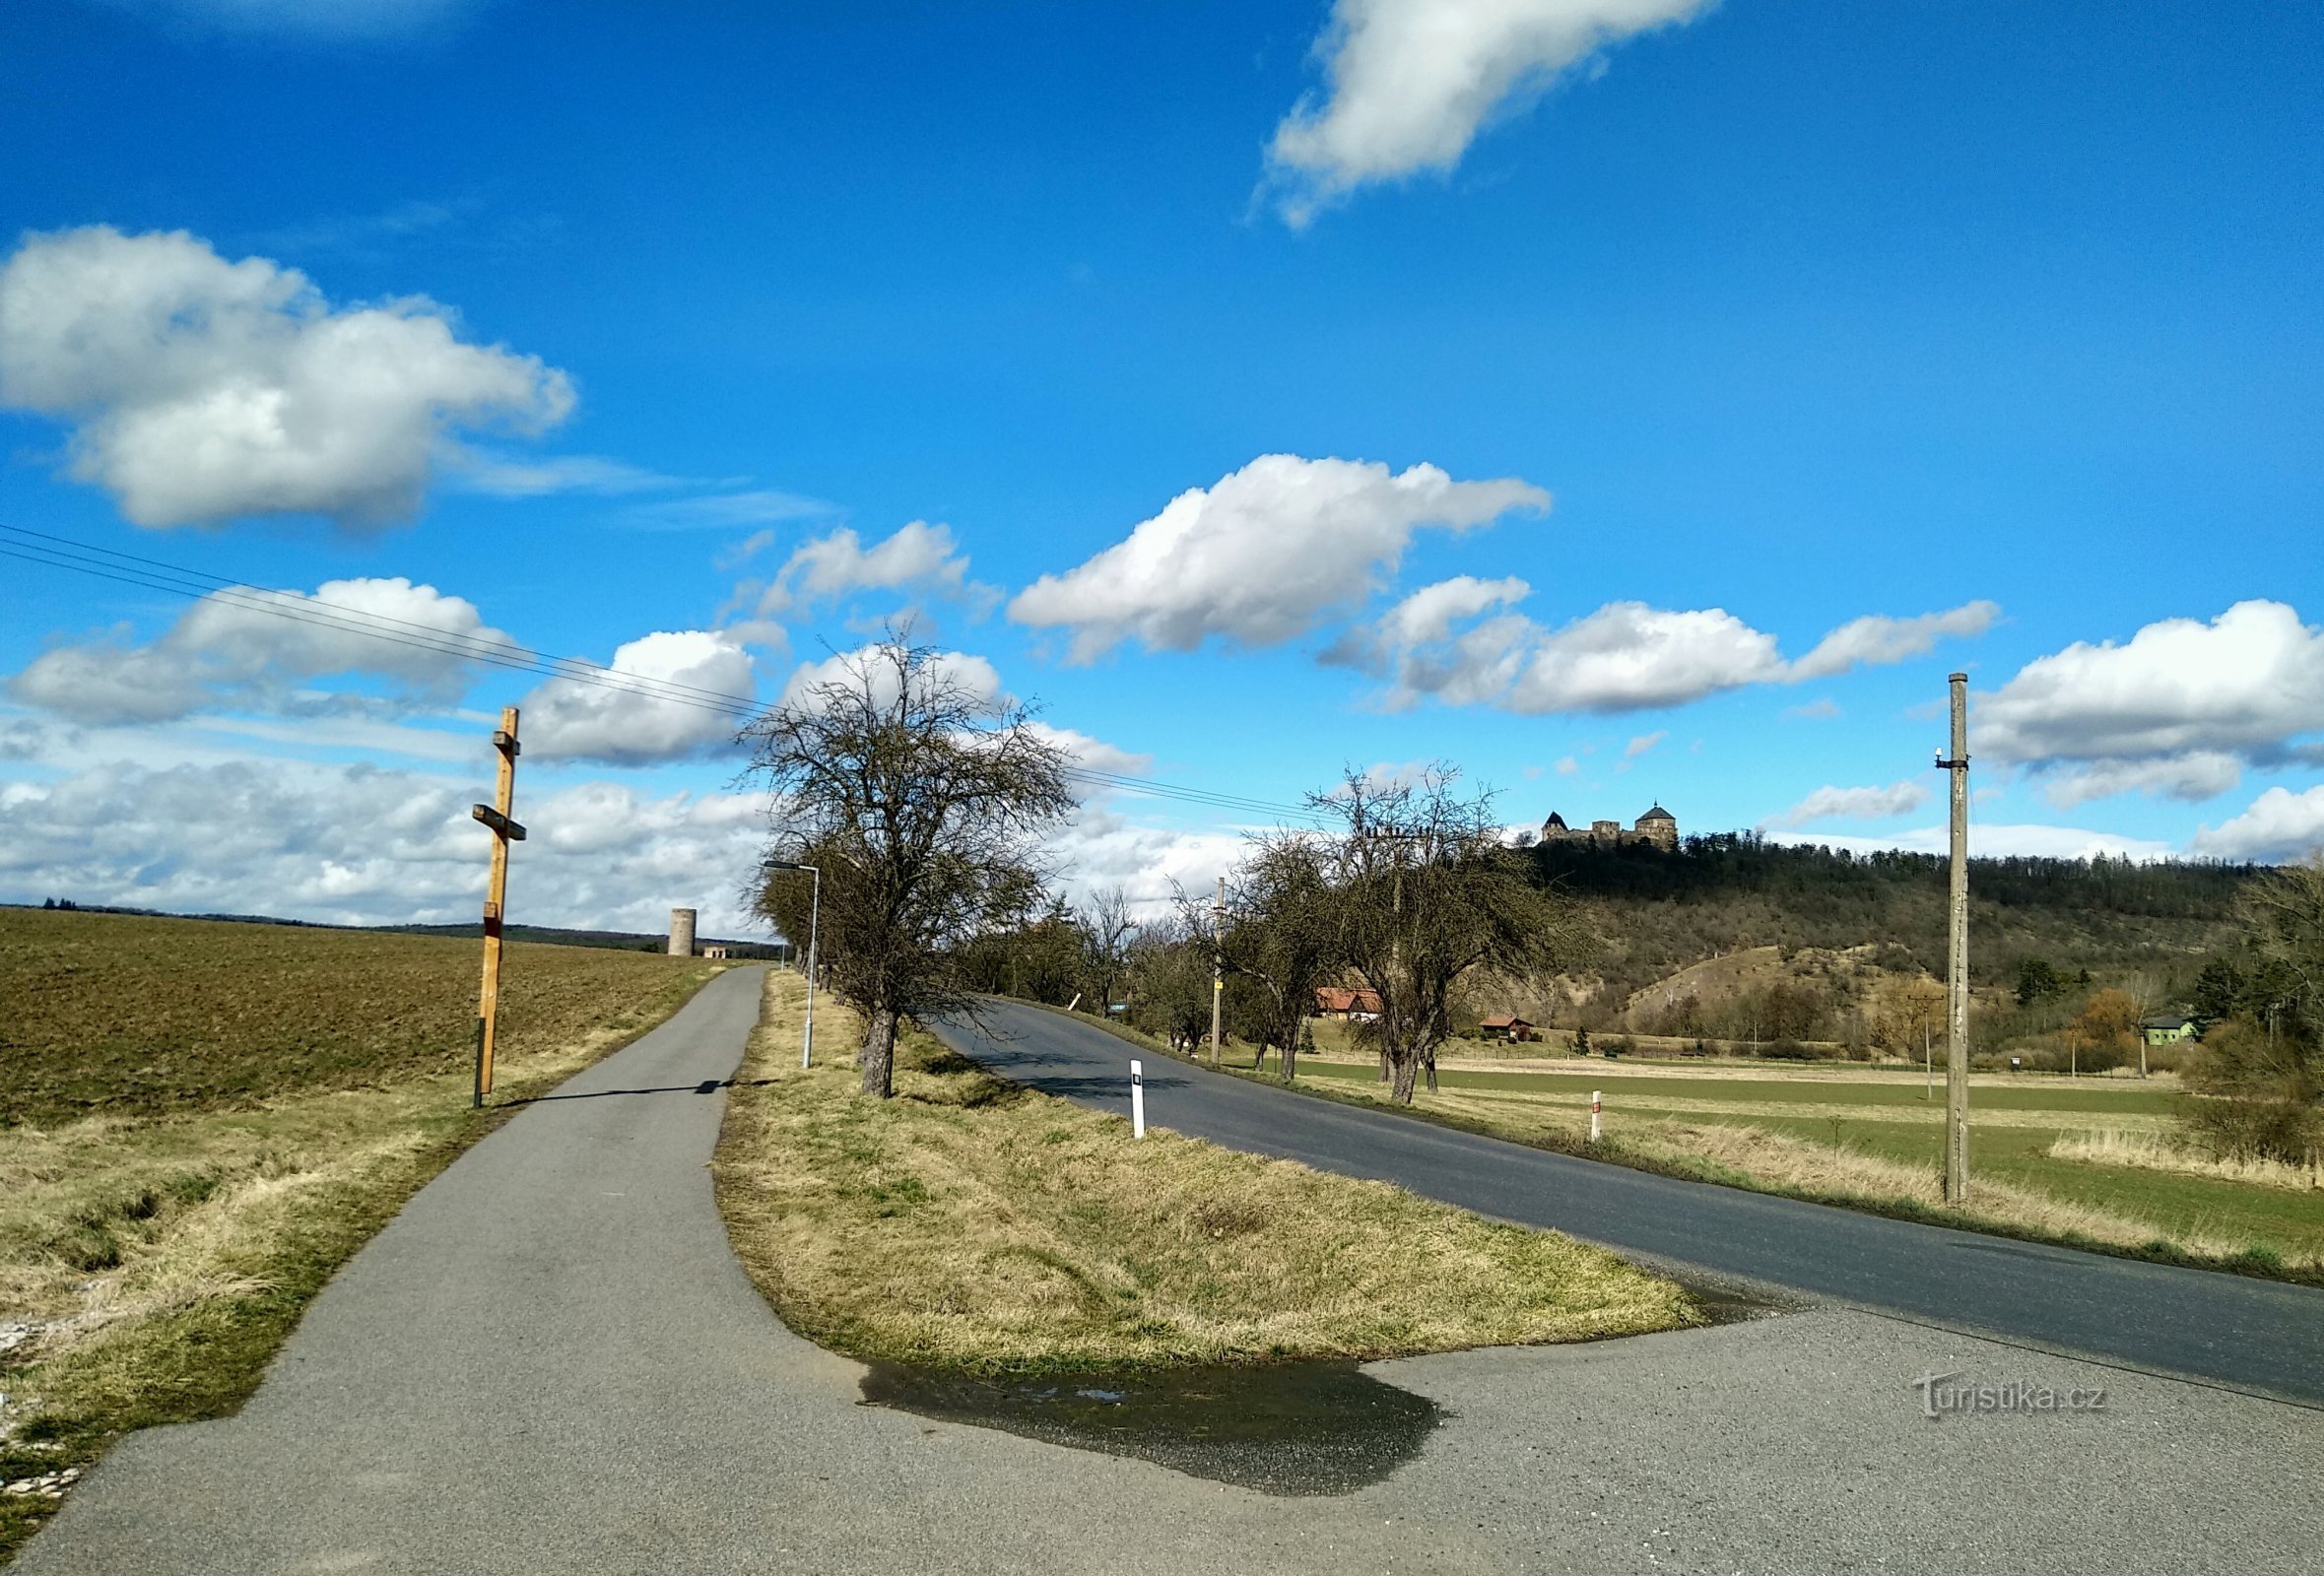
681 933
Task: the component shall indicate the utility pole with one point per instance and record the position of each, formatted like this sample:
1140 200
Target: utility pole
1956 959
1218 968
496 901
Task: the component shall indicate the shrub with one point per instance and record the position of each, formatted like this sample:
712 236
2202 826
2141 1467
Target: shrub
2253 1094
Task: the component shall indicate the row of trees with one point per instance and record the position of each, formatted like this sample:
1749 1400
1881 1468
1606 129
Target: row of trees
1405 891
923 801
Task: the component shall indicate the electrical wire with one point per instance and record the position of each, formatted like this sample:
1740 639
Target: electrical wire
154 574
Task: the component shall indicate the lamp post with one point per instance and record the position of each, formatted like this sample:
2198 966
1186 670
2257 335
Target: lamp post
814 924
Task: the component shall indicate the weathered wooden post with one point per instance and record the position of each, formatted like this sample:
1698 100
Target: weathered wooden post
496 902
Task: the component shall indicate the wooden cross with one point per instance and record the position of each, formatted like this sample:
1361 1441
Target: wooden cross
504 832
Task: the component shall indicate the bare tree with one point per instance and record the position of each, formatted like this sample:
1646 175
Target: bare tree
1423 890
1281 934
921 799
1171 980
1108 927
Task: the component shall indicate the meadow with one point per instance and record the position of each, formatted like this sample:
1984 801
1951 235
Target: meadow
2070 1160
200 1121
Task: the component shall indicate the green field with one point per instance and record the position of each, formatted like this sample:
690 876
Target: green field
1879 1117
200 1121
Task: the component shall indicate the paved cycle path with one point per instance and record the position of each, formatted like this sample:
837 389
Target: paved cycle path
550 1362
2261 1335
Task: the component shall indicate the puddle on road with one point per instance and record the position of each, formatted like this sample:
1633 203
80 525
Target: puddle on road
1291 1428
1285 1428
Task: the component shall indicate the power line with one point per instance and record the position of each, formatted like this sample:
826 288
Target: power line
154 574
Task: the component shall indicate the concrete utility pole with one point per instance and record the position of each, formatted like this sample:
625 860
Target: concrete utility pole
1956 959
1218 968
496 902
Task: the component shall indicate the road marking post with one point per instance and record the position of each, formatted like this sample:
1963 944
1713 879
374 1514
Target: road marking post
1593 1116
1137 1099
504 832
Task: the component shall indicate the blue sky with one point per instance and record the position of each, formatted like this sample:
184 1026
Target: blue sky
2003 319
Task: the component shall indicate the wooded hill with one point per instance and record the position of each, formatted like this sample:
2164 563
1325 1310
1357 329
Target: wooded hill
1658 913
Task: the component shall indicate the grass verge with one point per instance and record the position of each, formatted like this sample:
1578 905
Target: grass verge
151 1258
1879 1167
973 1223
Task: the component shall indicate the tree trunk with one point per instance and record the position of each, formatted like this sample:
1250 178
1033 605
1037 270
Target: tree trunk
1383 1061
878 1057
1290 1053
1431 1070
1405 1067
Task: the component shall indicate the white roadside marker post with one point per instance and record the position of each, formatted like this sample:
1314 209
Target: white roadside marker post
1593 1116
1137 1099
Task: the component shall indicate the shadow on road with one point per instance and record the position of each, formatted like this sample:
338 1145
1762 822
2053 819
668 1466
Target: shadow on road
708 1085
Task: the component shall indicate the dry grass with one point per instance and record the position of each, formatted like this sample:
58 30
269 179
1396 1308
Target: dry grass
2154 1151
151 1263
974 1224
1744 1156
1842 1174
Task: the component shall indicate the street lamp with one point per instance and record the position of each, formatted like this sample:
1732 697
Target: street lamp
813 923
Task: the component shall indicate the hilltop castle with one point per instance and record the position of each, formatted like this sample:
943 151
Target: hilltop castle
1657 828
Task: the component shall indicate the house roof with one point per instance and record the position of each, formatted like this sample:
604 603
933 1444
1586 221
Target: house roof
1346 999
1505 1021
2165 1020
1657 813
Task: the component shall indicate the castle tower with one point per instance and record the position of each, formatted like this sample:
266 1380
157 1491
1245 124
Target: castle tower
1660 827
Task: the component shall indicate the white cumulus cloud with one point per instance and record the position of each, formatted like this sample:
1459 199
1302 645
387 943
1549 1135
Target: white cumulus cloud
1412 82
1854 804
663 716
2172 710
1259 557
917 557
2197 775
1627 656
199 389
252 648
2279 825
2246 682
1876 639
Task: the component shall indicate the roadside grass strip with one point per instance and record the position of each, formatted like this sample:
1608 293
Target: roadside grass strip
151 1258
972 1223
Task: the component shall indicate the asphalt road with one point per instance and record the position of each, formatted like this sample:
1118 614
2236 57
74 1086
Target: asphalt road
550 1360
2258 1335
